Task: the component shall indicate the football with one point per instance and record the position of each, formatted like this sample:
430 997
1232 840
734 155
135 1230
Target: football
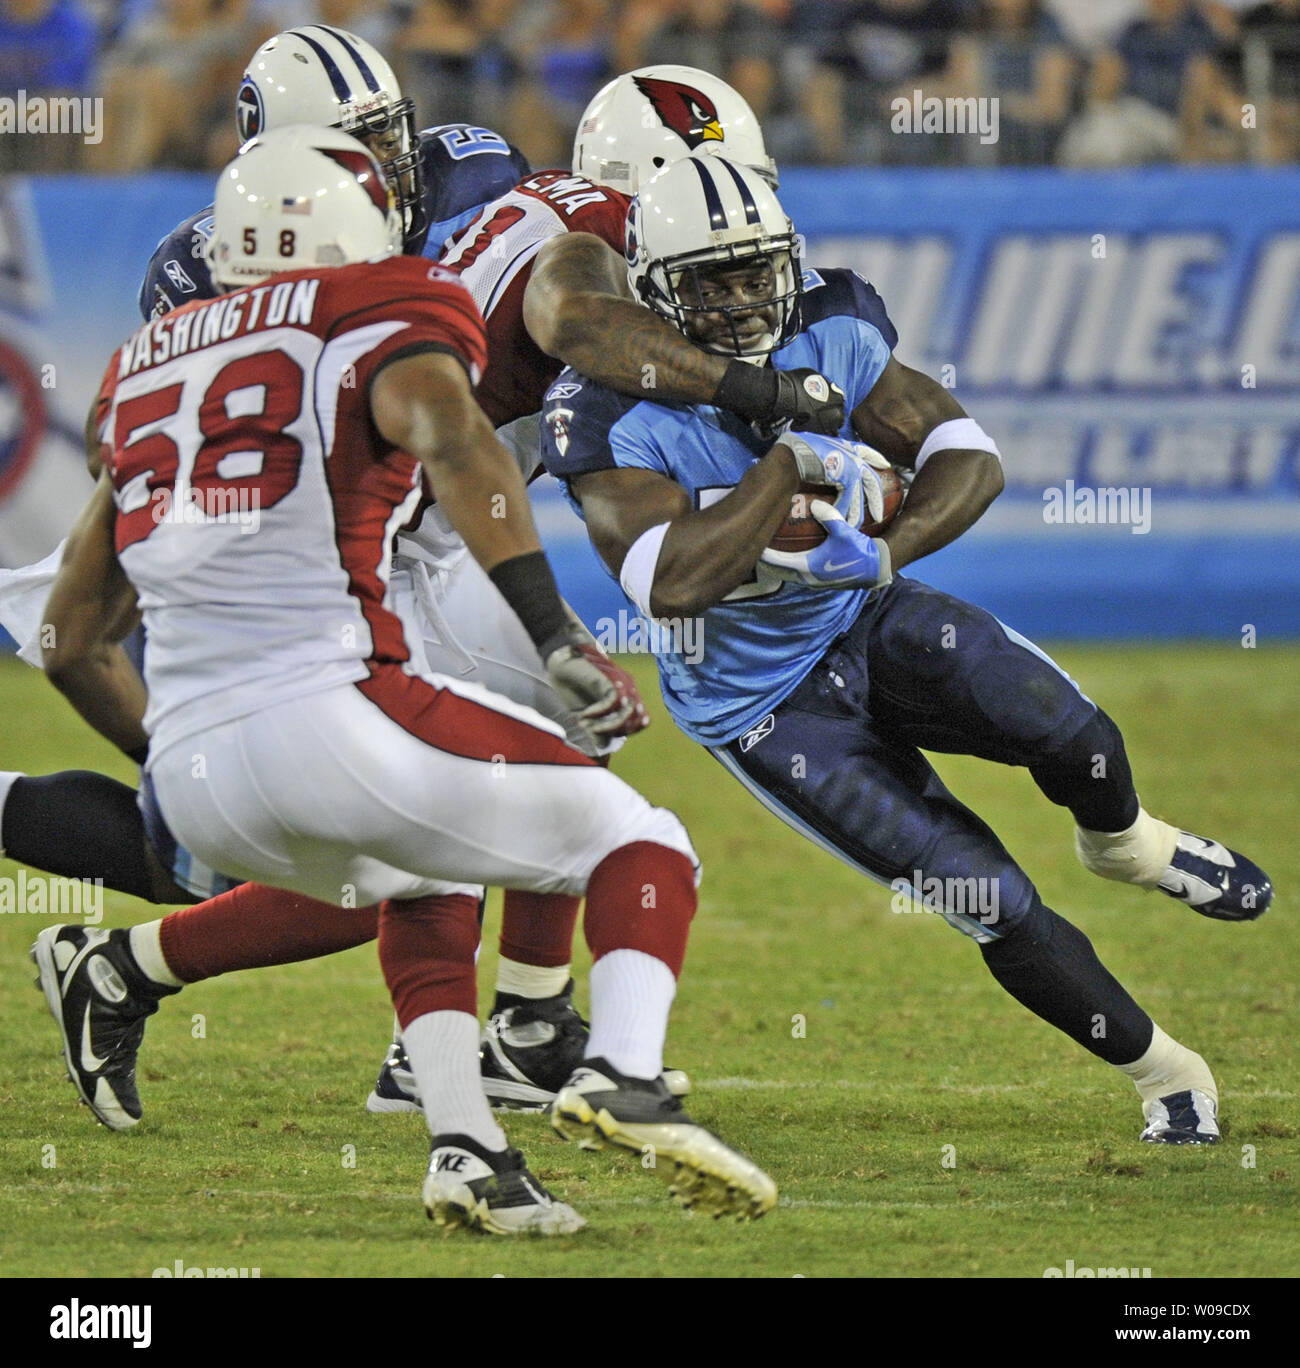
801 531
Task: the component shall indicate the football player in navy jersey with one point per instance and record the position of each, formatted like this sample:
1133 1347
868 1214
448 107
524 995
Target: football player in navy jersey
825 673
321 75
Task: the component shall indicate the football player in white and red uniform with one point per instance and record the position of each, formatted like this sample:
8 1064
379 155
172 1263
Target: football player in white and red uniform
544 263
291 738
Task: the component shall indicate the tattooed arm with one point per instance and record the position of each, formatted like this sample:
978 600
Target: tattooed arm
578 308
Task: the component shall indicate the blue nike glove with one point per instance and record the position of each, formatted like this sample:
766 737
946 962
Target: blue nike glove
835 461
845 560
821 460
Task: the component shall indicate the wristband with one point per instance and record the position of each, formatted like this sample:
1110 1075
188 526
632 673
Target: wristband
528 586
751 392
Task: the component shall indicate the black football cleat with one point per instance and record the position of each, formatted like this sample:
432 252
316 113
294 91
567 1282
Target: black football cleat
100 1001
493 1192
598 1106
1183 1118
395 1089
530 1047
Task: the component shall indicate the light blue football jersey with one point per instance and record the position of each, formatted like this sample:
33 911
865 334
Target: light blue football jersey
752 650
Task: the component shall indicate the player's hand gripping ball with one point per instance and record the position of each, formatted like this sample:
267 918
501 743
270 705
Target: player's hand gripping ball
864 488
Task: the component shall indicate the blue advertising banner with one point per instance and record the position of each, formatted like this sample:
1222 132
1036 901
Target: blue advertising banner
1131 339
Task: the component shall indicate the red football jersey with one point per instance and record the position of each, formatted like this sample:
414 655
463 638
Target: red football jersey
256 501
494 257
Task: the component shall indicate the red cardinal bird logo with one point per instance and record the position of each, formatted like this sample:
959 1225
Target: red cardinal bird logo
687 111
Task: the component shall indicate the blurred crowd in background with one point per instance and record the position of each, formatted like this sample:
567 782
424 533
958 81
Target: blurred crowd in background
1079 82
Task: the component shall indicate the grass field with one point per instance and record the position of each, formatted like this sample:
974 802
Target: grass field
910 1048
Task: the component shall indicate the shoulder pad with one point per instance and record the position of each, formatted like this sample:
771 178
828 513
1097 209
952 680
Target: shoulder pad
178 270
578 416
834 291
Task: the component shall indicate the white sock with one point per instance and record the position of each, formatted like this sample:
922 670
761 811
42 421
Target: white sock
7 781
443 1050
530 980
1138 855
631 994
1168 1067
146 945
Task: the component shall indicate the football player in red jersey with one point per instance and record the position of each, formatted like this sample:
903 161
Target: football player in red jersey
545 264
316 756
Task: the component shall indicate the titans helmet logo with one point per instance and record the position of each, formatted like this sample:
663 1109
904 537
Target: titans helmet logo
687 111
250 116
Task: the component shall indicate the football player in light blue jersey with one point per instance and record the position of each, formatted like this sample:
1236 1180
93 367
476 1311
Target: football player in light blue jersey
321 75
817 678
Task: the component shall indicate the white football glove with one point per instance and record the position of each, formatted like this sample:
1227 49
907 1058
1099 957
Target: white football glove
603 694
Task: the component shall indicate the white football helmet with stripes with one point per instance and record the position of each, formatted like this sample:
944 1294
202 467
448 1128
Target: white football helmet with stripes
643 121
711 249
316 74
296 197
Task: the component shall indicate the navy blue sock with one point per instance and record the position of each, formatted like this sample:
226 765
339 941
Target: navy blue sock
1049 966
79 824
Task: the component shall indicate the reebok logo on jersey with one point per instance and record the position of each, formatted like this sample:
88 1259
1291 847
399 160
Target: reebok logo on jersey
175 272
757 732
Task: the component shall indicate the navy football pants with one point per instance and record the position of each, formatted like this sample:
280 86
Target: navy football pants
840 760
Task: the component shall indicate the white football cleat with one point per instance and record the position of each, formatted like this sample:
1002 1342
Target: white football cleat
1182 1118
598 1106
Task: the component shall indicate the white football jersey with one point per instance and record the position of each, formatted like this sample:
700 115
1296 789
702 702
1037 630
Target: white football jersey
494 256
257 504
